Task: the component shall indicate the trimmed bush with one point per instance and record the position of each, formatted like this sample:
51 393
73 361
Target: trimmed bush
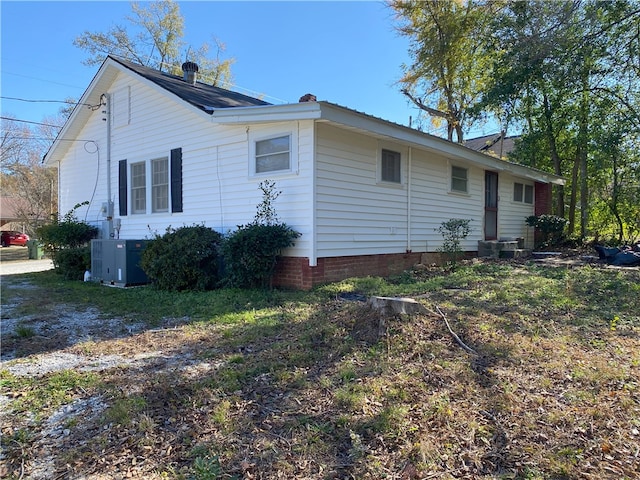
186 258
66 241
551 227
251 253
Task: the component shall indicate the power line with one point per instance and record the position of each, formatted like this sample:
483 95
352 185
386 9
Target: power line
38 101
34 123
51 101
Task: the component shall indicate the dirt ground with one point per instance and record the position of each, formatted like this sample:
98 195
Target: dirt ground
137 359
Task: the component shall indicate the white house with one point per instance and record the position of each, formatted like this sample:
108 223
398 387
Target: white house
149 150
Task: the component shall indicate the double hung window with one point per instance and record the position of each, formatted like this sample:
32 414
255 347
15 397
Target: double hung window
459 179
523 193
273 154
155 183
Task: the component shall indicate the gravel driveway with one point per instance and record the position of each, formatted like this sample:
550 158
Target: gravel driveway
15 260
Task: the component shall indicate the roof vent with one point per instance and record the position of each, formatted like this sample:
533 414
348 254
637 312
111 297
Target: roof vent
309 97
190 71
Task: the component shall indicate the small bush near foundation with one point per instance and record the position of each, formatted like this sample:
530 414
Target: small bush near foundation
66 241
251 252
551 227
453 232
186 258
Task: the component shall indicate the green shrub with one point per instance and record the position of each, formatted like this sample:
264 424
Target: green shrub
251 253
453 232
66 241
73 262
551 227
186 258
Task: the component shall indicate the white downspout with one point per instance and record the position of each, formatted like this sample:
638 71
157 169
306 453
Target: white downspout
409 161
110 203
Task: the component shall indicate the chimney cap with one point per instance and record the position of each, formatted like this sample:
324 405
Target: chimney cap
309 97
190 67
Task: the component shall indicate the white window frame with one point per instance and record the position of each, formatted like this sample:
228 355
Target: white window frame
160 189
255 138
135 190
150 187
522 196
452 178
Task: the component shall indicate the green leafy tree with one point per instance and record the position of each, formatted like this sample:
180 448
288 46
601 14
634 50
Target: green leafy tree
562 70
153 36
451 53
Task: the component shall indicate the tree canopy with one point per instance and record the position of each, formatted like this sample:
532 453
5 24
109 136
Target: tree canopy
564 75
153 35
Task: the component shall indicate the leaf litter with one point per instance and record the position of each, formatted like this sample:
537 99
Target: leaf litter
327 394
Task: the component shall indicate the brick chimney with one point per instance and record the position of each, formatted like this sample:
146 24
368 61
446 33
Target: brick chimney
309 97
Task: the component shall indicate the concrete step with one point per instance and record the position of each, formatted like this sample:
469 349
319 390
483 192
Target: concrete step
517 253
501 249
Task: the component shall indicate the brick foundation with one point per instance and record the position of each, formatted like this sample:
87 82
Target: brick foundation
295 272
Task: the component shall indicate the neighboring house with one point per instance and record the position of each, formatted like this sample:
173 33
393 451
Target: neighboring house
12 212
496 145
366 195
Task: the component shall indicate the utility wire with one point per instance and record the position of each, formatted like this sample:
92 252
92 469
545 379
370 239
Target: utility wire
92 107
34 123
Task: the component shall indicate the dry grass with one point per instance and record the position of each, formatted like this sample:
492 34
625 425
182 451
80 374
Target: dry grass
308 389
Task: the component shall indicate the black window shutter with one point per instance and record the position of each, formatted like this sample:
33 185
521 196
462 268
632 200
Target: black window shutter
122 187
176 180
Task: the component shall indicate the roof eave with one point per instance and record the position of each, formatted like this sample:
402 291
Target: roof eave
81 113
326 111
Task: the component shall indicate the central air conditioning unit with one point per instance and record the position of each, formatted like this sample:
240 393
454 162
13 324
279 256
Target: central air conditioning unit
117 262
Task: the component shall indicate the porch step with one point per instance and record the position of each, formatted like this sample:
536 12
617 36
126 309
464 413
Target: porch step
501 249
517 253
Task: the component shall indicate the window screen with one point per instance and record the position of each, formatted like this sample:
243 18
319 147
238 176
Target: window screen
390 167
273 154
459 179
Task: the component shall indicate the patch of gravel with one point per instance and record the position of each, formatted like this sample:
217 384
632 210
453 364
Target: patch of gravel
51 341
54 431
75 326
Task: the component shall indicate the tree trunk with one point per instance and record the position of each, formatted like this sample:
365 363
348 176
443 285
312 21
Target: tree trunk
559 207
574 193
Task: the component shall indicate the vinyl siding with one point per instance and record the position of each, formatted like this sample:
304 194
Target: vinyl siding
217 189
512 214
432 202
357 215
354 214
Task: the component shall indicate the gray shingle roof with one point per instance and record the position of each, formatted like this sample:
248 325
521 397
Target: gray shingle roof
203 96
491 144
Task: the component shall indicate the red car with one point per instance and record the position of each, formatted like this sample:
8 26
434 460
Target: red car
14 238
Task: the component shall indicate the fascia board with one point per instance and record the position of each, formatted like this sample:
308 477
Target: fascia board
99 85
266 114
81 113
339 115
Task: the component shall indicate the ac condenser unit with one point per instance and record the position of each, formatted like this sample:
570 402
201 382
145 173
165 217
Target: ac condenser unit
117 262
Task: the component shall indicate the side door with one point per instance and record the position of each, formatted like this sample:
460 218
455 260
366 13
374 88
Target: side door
490 205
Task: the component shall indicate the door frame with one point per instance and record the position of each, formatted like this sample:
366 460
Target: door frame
491 199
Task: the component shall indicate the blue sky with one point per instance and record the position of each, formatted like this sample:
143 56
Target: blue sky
343 52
